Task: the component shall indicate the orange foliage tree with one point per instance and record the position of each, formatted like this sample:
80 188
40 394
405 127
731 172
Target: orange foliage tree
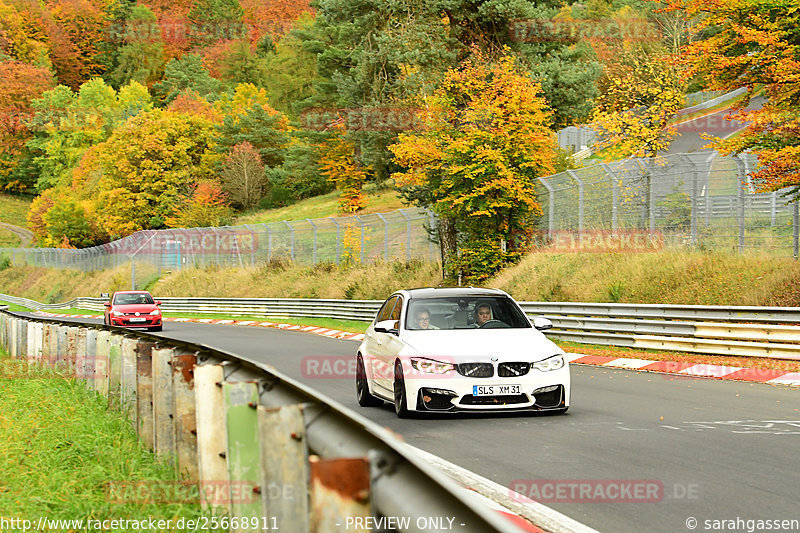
476 163
754 44
20 84
339 164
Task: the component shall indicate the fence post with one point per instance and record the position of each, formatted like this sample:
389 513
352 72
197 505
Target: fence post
575 177
338 239
741 164
291 241
614 196
385 237
314 252
694 198
773 207
408 234
796 228
551 205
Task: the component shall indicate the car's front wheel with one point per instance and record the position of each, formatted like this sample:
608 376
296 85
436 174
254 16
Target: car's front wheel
365 399
400 401
156 328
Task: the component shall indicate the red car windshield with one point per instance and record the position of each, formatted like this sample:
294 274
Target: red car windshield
133 299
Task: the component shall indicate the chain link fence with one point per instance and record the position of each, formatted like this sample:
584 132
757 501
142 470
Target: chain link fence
699 199
401 234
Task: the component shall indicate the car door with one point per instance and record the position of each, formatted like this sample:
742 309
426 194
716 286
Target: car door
374 341
386 352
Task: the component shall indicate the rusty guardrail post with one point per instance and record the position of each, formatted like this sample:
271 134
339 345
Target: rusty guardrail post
339 494
212 444
144 393
127 381
244 448
183 385
163 408
79 369
102 363
284 462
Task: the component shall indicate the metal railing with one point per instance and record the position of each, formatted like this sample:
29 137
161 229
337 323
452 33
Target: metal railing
724 330
242 429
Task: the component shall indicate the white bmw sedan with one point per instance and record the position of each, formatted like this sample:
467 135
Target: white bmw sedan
459 349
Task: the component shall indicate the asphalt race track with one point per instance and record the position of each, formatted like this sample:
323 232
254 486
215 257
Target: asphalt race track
715 450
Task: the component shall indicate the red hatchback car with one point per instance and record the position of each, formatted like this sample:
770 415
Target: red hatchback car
134 309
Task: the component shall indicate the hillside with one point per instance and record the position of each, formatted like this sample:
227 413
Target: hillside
664 277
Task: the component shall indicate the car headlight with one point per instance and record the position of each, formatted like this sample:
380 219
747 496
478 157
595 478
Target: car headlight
117 313
432 367
551 363
155 312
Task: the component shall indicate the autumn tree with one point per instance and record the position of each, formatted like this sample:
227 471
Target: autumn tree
140 57
476 163
248 117
339 164
206 206
243 178
188 72
642 94
20 85
148 165
754 44
66 124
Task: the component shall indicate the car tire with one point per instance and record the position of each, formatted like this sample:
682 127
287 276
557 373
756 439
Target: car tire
364 397
400 399
157 328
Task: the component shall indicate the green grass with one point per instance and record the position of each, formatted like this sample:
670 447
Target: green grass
64 460
378 200
14 210
14 307
353 326
8 239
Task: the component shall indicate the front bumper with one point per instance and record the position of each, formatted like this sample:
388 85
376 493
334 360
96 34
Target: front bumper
125 321
451 392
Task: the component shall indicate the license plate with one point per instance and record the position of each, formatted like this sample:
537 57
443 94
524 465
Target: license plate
140 319
495 390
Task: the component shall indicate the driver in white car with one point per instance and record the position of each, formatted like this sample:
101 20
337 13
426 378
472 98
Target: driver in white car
483 314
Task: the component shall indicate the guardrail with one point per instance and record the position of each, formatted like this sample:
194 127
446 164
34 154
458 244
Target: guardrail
723 330
260 445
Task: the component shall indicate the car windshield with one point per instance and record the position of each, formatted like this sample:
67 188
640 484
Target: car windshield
133 299
464 312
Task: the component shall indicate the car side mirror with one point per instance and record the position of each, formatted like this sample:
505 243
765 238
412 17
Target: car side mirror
107 304
387 326
158 302
542 323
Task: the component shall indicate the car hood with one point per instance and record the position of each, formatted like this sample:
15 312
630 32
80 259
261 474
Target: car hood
478 345
135 308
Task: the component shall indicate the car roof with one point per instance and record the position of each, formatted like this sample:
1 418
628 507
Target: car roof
451 292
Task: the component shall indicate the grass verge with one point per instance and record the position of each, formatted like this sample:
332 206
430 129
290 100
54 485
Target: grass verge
65 454
14 210
378 200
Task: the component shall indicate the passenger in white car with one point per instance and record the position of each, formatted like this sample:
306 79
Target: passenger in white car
422 318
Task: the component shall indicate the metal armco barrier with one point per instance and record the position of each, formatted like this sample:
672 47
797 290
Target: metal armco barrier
260 445
724 330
